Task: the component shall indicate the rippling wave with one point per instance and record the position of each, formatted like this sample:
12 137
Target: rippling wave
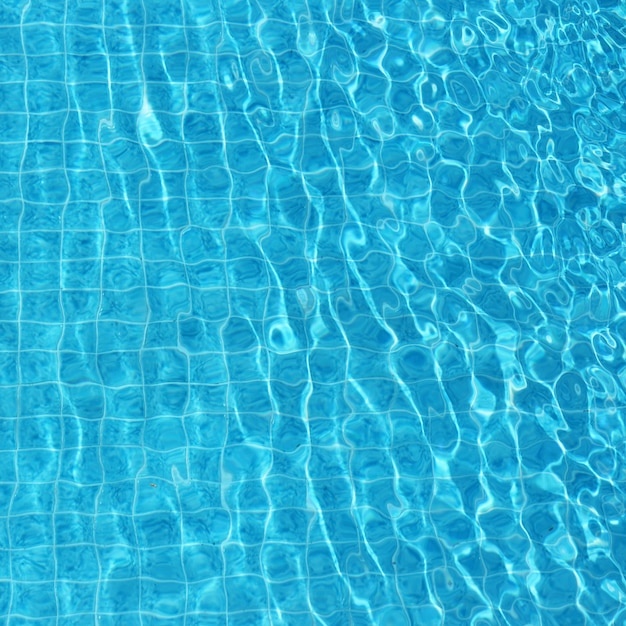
320 311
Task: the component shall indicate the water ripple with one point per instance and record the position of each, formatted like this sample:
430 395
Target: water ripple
342 288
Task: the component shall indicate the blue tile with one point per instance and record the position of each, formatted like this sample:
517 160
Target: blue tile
245 593
121 596
76 597
73 497
77 563
32 531
73 528
27 595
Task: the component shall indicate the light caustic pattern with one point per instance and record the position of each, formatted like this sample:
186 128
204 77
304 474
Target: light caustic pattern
312 313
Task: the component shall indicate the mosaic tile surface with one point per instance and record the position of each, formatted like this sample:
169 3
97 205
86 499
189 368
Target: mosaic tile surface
312 313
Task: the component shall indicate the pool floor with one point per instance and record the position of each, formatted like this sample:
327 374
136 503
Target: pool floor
312 313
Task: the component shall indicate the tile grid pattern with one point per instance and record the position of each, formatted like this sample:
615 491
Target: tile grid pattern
315 314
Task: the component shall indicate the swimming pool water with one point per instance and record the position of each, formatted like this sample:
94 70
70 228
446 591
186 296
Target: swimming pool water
312 312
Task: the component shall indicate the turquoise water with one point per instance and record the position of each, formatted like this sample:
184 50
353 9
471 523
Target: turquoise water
312 313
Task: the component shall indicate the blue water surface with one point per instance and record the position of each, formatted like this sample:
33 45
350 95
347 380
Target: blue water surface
312 312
